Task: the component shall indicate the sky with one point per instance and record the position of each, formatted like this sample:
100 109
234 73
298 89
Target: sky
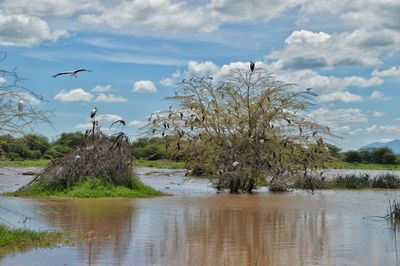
346 50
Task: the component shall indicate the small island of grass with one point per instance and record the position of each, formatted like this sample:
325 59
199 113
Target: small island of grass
18 240
89 188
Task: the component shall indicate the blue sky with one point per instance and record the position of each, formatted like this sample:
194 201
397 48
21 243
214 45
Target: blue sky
347 50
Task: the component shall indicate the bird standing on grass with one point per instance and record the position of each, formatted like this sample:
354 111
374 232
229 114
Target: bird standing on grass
72 73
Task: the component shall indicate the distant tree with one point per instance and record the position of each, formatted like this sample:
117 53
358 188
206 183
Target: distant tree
334 150
70 139
353 157
383 155
17 109
242 128
37 142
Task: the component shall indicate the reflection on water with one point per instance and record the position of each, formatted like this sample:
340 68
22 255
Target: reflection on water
328 228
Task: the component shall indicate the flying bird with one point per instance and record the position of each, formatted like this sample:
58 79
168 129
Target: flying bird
20 105
72 73
93 112
252 65
121 121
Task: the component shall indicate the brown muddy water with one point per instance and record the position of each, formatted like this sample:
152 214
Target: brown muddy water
199 227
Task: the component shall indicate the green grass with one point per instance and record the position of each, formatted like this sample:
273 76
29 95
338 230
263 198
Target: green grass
25 163
361 166
18 240
90 188
167 164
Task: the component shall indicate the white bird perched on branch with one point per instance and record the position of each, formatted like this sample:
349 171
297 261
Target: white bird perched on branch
93 112
72 73
20 105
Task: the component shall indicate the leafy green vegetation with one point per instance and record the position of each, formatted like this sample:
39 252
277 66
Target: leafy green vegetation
383 181
90 188
17 240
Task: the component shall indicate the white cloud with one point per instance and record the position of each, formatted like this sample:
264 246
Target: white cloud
2 81
108 117
75 95
378 114
306 49
48 8
341 96
144 86
83 125
155 14
102 88
137 123
376 95
339 120
393 72
22 30
110 98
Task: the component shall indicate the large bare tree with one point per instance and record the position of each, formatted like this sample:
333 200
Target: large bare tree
242 128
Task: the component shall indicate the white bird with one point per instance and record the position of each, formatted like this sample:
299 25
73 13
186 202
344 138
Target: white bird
20 105
77 157
93 112
236 163
72 73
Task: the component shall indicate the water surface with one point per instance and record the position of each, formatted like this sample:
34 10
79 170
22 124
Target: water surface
199 227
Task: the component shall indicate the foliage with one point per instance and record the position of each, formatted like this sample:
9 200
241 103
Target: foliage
381 155
162 163
243 128
17 240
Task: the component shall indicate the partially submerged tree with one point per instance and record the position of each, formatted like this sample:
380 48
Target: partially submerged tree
97 155
243 128
17 104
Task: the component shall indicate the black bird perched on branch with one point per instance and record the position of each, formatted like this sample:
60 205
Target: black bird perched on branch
93 112
121 121
72 73
252 66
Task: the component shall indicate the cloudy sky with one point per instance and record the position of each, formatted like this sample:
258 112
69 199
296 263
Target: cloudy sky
347 50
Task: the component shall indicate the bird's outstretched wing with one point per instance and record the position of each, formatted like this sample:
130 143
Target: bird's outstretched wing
118 121
81 70
62 73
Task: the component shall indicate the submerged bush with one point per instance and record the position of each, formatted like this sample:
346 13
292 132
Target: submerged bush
104 158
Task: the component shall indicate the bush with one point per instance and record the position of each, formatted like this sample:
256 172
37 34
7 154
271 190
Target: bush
352 181
386 181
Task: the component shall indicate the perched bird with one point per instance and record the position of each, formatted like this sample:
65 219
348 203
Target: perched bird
308 89
121 121
20 105
252 66
93 112
72 73
77 157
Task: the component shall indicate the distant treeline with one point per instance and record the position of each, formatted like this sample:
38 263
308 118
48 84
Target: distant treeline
32 147
39 147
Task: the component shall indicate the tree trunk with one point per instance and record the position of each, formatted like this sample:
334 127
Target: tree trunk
250 185
234 185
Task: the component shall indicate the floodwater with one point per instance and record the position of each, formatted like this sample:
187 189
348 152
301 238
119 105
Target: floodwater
199 227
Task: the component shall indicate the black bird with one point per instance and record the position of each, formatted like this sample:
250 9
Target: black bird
121 121
93 112
252 65
72 73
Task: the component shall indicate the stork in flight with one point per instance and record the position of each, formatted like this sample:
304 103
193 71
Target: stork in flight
72 73
121 121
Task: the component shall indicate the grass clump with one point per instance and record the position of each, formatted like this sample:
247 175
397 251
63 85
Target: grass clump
92 187
351 182
386 181
17 240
